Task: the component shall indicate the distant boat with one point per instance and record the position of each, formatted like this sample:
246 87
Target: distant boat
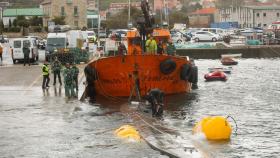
231 55
223 69
228 61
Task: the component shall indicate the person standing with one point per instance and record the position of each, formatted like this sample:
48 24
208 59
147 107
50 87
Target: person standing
1 53
151 45
26 53
122 49
75 73
56 68
171 49
68 81
46 78
160 49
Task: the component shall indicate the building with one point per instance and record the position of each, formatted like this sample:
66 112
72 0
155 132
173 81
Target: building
170 4
11 14
250 16
92 5
117 7
74 11
3 6
203 17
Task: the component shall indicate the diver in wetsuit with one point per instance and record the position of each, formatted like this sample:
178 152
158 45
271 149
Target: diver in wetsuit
155 98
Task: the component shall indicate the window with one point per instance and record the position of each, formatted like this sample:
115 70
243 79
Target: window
76 23
75 11
278 14
264 14
17 44
258 14
264 25
62 11
26 43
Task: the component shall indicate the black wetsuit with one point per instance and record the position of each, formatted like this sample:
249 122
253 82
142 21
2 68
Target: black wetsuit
155 98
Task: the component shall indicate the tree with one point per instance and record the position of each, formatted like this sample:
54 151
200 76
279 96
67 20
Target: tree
178 17
10 23
1 26
36 21
21 21
120 20
59 20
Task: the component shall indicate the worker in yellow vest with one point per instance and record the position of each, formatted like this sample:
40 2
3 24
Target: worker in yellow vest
151 45
46 73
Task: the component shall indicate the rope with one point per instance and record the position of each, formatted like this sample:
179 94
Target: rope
234 122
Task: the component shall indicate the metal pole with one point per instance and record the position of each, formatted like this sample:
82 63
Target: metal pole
128 11
98 29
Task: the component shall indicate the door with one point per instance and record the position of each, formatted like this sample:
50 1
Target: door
17 49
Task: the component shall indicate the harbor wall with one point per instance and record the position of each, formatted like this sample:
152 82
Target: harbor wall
247 52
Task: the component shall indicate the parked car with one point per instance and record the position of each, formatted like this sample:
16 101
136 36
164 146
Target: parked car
102 34
91 36
206 36
17 45
4 39
179 37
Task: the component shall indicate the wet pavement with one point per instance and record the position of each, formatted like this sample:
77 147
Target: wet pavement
37 123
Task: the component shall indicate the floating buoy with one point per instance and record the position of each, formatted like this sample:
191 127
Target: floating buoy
214 128
128 132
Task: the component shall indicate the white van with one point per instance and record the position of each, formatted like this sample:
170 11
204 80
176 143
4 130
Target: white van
17 45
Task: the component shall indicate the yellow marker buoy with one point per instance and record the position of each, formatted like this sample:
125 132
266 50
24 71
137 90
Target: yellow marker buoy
214 128
128 132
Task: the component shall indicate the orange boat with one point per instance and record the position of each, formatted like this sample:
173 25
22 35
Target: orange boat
135 73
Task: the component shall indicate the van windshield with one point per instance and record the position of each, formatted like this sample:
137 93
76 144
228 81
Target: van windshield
26 43
17 44
56 42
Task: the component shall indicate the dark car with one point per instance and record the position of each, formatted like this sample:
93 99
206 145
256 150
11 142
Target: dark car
4 39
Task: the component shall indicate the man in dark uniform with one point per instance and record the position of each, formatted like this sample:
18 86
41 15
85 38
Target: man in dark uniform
56 68
90 78
26 53
155 98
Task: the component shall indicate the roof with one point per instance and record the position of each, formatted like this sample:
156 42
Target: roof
264 7
91 12
24 12
46 2
205 11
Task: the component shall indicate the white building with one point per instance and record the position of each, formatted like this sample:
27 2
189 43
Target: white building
250 16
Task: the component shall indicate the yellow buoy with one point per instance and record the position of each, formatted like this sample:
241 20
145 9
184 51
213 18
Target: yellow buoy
214 128
128 132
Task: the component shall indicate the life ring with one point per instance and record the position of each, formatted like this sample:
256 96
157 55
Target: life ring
167 66
185 72
90 73
193 75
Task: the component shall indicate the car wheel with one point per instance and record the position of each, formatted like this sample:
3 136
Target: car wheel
196 39
179 41
214 39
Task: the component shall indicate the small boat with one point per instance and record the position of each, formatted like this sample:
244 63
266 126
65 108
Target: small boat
231 55
226 70
216 76
228 61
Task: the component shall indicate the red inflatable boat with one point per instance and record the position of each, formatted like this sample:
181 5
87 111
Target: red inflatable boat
216 76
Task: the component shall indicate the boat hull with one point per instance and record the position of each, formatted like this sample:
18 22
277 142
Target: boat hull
115 75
